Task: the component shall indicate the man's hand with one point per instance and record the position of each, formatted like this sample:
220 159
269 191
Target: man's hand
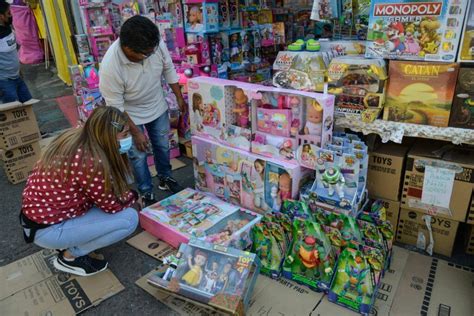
183 106
140 141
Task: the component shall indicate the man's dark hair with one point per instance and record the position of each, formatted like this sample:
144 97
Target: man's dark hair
4 6
139 34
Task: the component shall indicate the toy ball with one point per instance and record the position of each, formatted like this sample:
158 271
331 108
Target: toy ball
188 73
207 69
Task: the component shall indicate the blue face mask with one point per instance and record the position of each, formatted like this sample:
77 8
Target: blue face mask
125 144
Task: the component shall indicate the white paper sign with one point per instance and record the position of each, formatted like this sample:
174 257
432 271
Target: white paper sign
437 186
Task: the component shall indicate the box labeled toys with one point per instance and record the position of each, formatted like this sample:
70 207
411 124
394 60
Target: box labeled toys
242 178
191 214
420 93
466 49
20 161
413 30
359 85
221 277
18 124
462 112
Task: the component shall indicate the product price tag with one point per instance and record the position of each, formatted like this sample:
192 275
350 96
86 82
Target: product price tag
437 186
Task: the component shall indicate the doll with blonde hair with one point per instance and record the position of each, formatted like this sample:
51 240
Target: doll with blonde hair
314 118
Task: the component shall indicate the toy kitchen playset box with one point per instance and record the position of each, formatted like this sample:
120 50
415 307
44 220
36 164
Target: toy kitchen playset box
271 122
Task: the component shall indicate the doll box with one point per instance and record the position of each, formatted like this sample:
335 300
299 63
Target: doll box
201 16
466 49
191 214
255 182
221 277
413 30
462 112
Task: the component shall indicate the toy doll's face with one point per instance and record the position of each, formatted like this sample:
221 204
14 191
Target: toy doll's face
194 15
285 183
200 260
207 107
227 268
215 266
314 115
240 97
306 149
258 167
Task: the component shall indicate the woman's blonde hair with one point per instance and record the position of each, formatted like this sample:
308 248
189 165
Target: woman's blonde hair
98 140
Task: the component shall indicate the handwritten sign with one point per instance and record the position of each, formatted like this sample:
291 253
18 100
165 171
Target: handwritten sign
437 186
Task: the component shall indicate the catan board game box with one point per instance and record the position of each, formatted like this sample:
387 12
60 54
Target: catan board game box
415 30
420 92
462 113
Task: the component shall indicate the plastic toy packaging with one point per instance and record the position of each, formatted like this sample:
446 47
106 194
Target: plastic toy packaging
201 16
300 70
310 260
466 49
359 85
271 240
354 284
413 30
221 277
296 209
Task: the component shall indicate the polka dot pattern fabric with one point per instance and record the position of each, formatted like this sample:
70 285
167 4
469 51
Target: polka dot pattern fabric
50 200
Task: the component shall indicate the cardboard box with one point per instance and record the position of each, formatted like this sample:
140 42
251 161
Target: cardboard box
385 295
462 112
19 162
32 286
470 240
392 209
386 168
430 286
411 225
18 124
439 155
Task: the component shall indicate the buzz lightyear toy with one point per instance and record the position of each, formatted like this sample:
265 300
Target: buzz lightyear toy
334 181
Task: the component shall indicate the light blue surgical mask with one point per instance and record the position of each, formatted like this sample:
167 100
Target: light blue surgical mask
125 144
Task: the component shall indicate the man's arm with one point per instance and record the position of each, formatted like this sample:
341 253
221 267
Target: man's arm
112 89
169 72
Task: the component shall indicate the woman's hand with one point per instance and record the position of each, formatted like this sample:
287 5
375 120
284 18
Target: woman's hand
138 205
140 141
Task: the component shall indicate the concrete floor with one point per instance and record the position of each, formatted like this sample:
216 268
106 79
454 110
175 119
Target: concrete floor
127 263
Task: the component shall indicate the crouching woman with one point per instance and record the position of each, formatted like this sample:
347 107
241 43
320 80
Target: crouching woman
78 199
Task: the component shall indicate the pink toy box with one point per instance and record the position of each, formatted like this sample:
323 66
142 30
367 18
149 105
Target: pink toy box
201 16
279 119
191 214
239 177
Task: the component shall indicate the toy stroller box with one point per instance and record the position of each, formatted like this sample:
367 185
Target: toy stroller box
191 214
218 276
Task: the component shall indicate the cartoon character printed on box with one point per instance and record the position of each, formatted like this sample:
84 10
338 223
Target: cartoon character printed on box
295 104
241 108
222 281
307 154
314 118
194 275
281 192
258 184
411 43
211 277
395 33
195 18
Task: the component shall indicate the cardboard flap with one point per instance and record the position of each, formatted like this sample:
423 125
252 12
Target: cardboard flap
16 104
151 245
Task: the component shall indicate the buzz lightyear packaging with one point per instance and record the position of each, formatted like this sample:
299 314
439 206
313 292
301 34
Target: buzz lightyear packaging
359 86
310 260
415 30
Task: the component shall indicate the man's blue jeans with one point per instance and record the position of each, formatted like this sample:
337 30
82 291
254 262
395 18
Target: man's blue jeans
158 132
14 90
84 234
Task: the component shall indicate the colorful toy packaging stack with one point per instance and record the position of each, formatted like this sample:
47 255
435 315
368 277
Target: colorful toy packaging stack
359 85
420 92
267 121
191 214
218 276
414 30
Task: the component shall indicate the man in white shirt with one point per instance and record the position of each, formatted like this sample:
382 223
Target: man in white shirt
130 79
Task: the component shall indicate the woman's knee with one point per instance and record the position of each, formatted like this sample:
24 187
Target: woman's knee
130 215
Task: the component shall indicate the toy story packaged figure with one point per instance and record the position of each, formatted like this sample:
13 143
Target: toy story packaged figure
271 240
310 259
354 283
191 214
420 92
300 70
413 30
201 16
462 112
257 183
359 85
466 49
221 277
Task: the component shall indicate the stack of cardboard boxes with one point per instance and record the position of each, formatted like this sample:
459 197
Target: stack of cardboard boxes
19 136
397 176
